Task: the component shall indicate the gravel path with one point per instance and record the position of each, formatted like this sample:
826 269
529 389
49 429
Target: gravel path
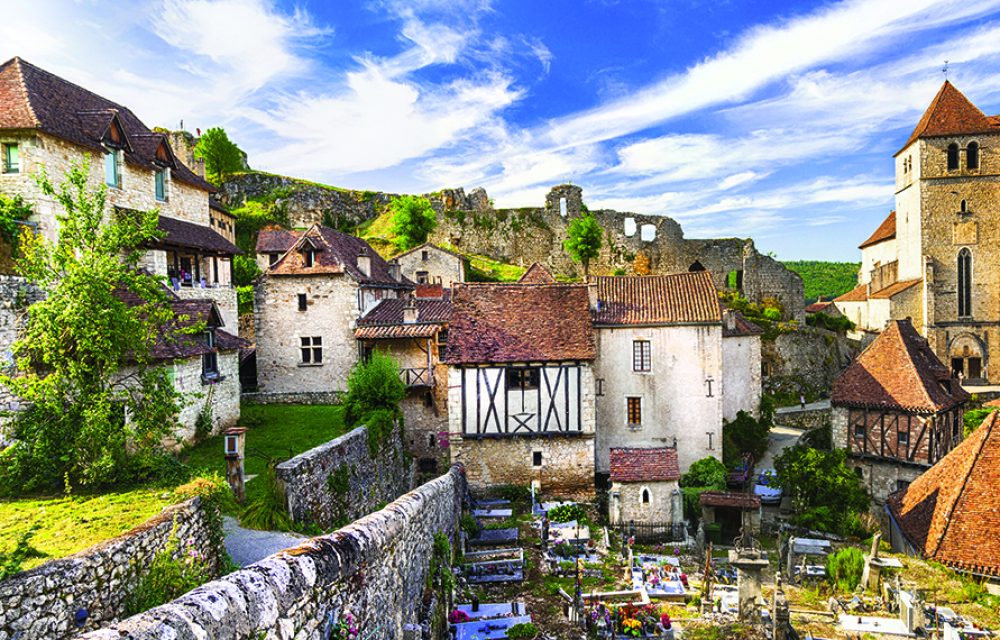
247 546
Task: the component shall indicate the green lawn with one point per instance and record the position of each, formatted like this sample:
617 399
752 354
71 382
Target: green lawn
276 431
72 523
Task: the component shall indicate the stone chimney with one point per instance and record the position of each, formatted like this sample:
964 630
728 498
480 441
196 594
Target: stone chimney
595 304
410 312
394 270
730 320
365 263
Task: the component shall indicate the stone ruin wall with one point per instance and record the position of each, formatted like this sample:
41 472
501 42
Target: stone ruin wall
808 359
376 568
468 222
340 481
42 602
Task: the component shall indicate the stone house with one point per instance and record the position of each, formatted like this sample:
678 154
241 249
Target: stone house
521 386
431 264
537 274
414 330
644 486
936 257
50 124
951 513
666 364
897 410
316 284
827 307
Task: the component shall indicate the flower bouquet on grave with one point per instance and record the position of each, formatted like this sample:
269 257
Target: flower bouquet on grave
346 628
457 617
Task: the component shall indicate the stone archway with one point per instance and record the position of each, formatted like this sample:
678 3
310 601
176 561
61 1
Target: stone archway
968 357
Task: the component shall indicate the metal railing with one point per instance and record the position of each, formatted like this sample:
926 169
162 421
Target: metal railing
653 531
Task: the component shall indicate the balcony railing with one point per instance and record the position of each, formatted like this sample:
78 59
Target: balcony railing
417 376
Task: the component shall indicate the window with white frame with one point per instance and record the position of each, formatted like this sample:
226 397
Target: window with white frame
642 356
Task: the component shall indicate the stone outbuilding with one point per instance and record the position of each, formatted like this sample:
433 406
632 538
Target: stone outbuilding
728 512
431 264
897 410
644 486
951 513
521 386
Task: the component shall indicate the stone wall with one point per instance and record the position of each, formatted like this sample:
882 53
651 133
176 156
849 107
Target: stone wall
304 397
439 265
224 297
807 359
567 468
376 568
42 602
224 395
342 480
16 294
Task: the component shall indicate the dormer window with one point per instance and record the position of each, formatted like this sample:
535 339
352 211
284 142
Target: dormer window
160 177
112 169
11 158
310 258
953 156
972 156
272 259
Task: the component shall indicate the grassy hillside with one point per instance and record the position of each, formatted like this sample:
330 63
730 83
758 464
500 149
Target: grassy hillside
825 279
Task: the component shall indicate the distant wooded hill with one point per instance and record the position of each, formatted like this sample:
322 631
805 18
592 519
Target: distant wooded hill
825 279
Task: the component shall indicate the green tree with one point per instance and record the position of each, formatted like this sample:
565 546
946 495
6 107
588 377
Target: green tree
584 240
413 219
707 473
373 385
221 155
99 405
827 494
745 434
245 270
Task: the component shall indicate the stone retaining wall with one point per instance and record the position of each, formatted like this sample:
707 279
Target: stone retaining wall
376 568
42 602
806 419
341 480
303 397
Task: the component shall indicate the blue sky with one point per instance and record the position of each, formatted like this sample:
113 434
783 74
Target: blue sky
769 119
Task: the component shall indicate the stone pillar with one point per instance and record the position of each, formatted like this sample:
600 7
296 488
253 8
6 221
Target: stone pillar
749 566
872 571
779 613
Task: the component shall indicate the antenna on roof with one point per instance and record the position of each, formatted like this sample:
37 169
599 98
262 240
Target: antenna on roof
944 70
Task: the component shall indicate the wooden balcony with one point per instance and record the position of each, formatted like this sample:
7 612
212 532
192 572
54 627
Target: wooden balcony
417 376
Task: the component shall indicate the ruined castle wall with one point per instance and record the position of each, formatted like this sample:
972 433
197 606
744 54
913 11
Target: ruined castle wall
376 568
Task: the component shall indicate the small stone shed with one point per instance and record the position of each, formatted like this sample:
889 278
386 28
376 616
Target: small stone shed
728 510
644 486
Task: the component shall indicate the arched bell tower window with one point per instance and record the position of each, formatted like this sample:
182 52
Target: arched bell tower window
972 156
964 283
952 156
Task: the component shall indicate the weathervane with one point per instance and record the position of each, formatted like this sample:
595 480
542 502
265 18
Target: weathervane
945 70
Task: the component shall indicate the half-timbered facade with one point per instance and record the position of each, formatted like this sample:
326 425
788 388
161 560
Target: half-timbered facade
897 410
414 331
521 385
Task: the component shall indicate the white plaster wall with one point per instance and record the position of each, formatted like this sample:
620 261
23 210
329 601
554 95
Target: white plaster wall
675 393
741 376
908 220
331 314
883 253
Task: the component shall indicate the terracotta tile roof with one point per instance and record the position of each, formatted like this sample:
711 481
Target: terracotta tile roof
893 289
741 326
431 291
397 332
992 403
898 371
498 323
681 298
951 513
644 465
885 231
335 252
857 294
537 274
819 306
31 98
181 233
390 311
950 113
729 499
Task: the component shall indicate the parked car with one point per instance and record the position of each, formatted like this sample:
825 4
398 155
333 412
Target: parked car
765 489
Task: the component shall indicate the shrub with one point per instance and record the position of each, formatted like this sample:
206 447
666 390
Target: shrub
470 525
371 386
11 561
567 512
172 573
824 489
844 568
245 270
268 511
522 631
707 473
244 299
973 418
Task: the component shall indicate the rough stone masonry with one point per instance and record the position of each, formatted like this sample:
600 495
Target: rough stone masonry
375 567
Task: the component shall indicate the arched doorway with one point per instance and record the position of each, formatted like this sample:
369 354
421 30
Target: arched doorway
968 357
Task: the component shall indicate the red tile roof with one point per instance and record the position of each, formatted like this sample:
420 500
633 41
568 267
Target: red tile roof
898 371
335 252
537 274
175 344
819 306
950 113
430 291
893 289
951 513
885 231
857 294
34 99
499 323
729 499
681 298
644 465
431 313
741 326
